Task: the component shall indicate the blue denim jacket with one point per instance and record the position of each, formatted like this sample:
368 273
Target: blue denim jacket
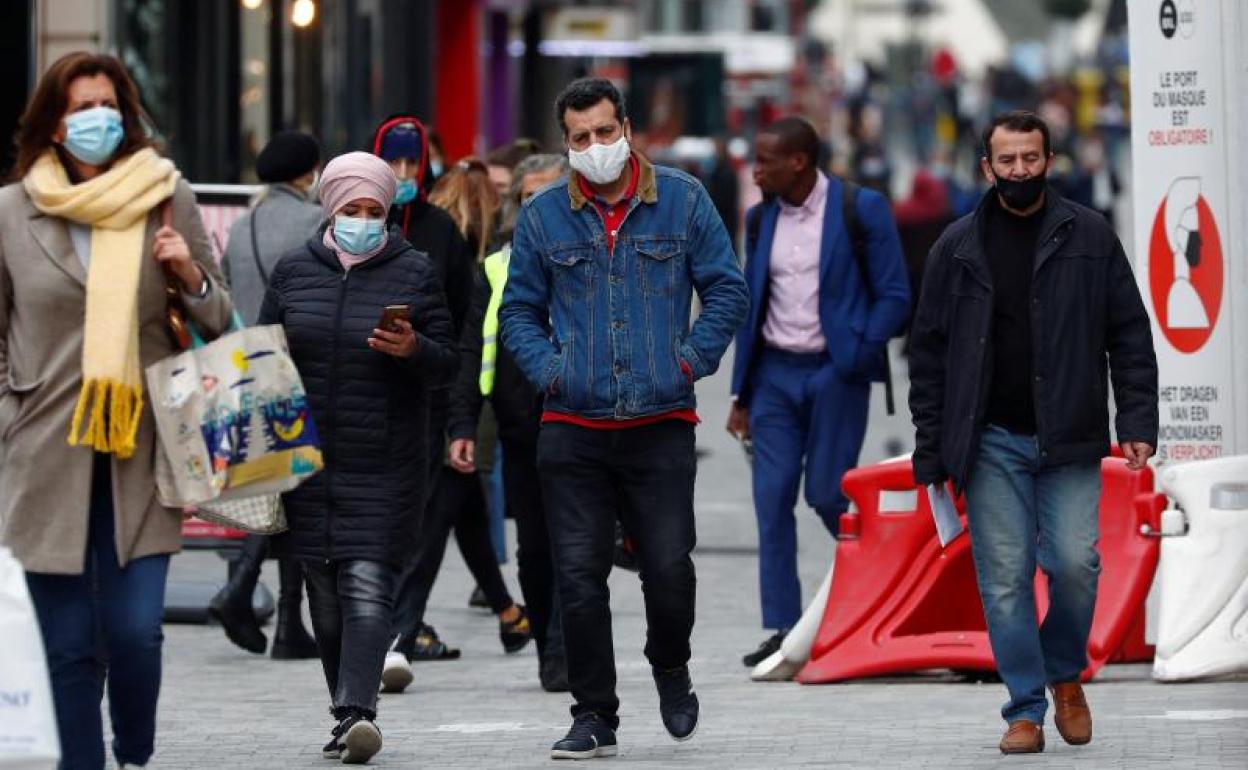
604 335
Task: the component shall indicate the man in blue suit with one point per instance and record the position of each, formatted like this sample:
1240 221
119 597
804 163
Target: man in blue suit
820 318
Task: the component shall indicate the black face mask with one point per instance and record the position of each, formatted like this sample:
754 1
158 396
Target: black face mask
1021 195
1193 248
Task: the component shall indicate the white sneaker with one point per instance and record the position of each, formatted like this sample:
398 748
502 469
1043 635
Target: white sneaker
397 673
359 741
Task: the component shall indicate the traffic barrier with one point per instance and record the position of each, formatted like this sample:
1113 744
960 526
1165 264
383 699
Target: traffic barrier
1203 622
899 602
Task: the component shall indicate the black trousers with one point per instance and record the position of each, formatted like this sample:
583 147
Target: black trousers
646 476
351 605
523 492
458 502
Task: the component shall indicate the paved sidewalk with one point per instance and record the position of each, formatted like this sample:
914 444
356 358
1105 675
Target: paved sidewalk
223 708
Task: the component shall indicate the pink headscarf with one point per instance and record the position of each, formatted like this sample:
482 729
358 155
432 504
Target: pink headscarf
350 177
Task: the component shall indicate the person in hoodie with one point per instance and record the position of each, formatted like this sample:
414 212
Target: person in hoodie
354 525
405 143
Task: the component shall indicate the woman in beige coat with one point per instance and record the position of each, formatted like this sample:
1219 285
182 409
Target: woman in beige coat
88 230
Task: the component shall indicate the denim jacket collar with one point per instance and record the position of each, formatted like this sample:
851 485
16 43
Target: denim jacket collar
647 190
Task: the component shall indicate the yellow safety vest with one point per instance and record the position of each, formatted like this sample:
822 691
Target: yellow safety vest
496 274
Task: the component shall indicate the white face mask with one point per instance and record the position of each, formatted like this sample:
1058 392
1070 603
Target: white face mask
601 163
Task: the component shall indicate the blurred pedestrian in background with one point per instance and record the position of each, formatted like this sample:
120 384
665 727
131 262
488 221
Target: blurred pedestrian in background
279 221
486 372
414 155
458 499
93 228
354 525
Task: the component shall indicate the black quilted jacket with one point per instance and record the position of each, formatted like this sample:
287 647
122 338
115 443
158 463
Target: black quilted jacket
371 409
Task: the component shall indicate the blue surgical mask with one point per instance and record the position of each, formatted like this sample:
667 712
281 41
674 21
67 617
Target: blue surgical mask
436 167
357 235
92 136
406 192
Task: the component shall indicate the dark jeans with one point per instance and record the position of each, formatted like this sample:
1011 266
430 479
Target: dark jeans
645 475
103 626
351 603
522 490
458 502
1019 514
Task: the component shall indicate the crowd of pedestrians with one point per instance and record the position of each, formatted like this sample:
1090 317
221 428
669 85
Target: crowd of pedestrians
549 323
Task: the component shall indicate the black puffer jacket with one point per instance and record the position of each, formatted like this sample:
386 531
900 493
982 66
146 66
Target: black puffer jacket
371 409
1088 325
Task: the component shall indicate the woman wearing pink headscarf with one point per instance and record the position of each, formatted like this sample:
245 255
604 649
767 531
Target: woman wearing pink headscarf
354 525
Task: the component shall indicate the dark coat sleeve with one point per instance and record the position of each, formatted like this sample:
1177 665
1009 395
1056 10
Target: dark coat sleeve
466 396
460 269
1132 359
435 359
929 344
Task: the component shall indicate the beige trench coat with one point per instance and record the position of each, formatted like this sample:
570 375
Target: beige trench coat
45 484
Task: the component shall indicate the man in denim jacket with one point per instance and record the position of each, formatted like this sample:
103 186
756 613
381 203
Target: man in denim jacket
596 313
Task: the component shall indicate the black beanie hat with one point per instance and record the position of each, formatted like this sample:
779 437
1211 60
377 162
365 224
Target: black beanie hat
288 155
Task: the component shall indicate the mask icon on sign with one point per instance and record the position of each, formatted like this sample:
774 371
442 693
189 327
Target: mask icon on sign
1184 307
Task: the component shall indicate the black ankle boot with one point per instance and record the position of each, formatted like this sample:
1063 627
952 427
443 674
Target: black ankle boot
231 607
291 641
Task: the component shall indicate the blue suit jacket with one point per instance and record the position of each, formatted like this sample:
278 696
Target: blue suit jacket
856 324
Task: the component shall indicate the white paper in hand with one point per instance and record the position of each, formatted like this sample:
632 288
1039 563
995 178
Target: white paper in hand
944 512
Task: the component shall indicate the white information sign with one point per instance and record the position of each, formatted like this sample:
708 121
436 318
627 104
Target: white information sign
1189 239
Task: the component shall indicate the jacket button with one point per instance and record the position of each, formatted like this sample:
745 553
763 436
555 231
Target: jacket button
617 324
982 340
618 367
1039 378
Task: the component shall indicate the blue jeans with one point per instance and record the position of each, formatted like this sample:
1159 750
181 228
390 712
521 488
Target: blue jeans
1020 512
103 625
804 419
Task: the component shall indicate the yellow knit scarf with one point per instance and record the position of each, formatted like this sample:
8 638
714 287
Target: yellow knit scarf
115 204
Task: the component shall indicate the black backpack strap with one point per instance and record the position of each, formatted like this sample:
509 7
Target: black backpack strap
858 244
255 244
857 234
753 219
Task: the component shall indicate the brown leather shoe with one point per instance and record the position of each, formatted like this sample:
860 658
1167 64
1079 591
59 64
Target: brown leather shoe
1023 737
1073 717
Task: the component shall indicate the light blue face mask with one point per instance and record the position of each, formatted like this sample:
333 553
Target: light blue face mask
357 235
92 136
406 192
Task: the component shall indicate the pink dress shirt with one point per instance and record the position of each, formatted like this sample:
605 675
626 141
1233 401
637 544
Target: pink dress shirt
792 322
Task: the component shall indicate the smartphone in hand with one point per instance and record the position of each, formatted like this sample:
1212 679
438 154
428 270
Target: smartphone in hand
392 314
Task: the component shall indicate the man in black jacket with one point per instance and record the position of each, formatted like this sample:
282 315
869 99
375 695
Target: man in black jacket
1027 304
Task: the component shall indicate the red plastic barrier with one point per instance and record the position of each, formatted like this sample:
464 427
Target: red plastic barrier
198 534
900 603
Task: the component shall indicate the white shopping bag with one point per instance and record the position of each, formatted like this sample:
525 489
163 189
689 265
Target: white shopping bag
28 737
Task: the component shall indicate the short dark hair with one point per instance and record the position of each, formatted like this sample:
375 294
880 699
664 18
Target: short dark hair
1023 121
797 135
585 93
